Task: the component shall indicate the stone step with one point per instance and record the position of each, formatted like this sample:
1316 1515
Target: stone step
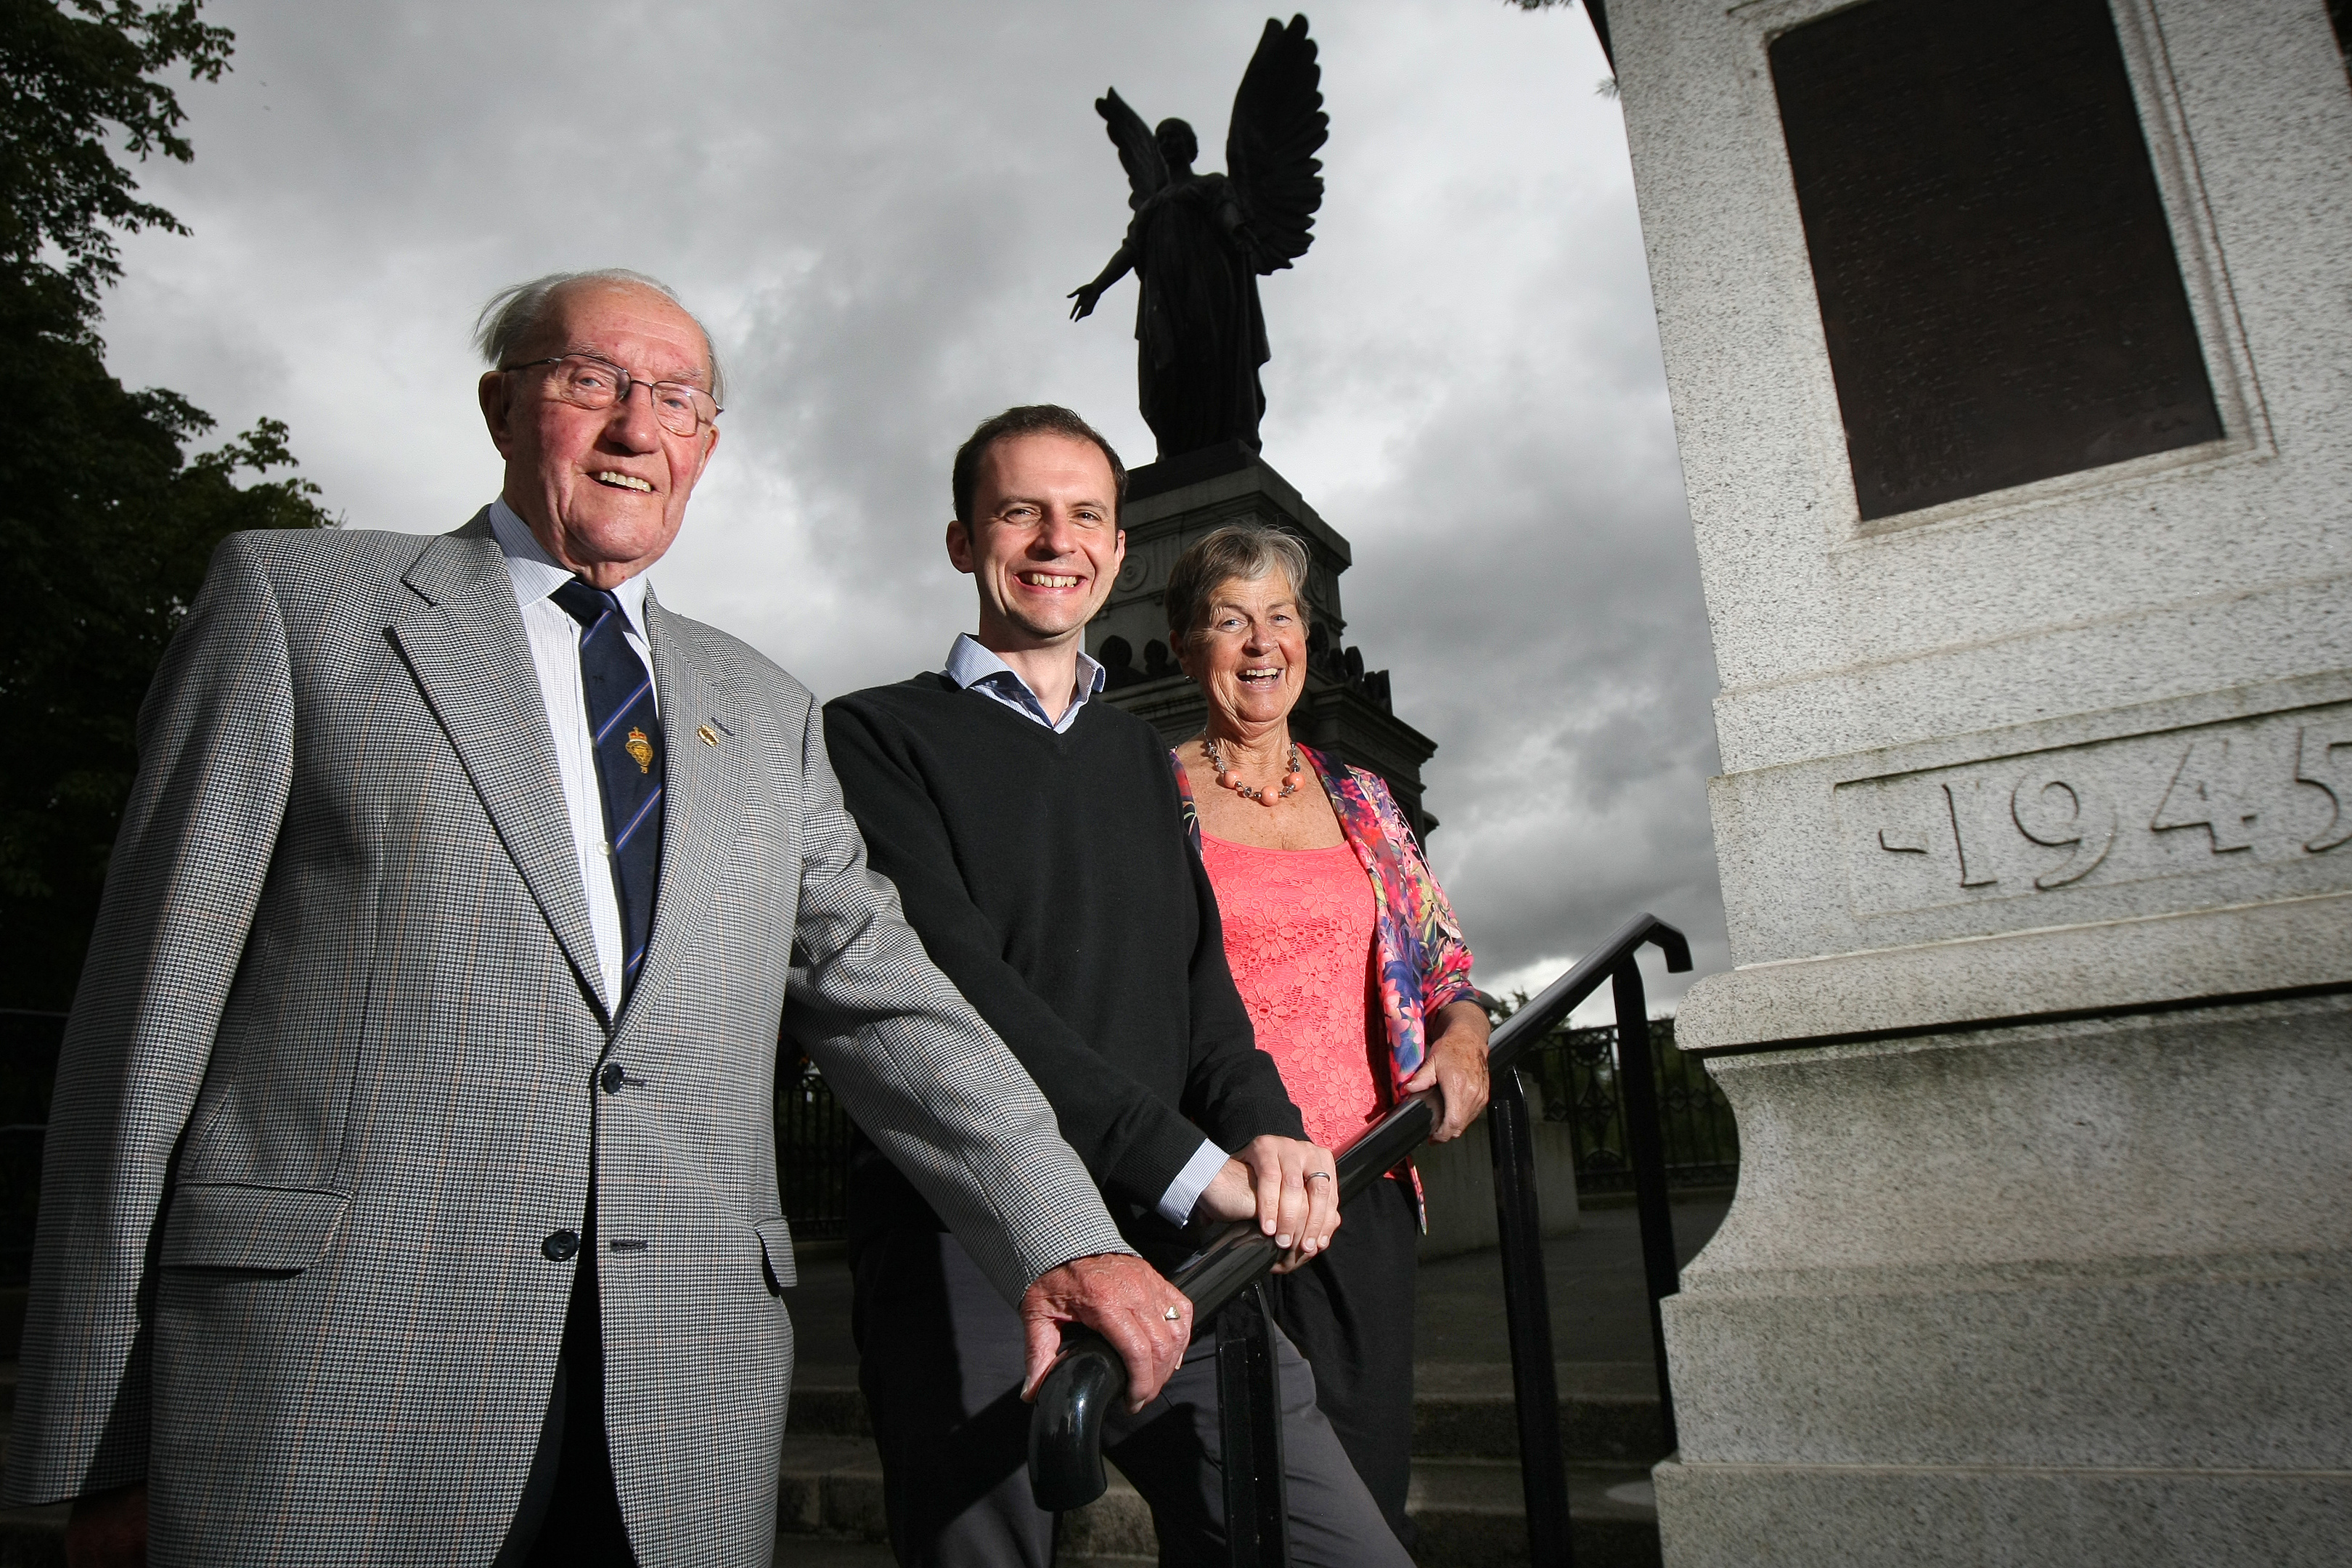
1607 1410
828 1551
825 1403
1472 1514
1469 1511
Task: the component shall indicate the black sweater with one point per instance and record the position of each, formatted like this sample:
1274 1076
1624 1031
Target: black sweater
1049 878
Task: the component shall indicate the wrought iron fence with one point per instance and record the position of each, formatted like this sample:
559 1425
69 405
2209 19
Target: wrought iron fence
1575 1073
812 1152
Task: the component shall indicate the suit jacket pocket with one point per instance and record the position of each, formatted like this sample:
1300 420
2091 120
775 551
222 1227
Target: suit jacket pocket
275 1229
776 1247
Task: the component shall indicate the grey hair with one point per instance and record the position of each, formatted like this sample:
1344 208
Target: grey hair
518 310
1245 549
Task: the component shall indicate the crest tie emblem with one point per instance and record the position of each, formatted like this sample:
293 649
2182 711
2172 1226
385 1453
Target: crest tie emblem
641 749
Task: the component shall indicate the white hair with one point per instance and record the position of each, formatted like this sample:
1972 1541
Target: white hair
520 310
1244 551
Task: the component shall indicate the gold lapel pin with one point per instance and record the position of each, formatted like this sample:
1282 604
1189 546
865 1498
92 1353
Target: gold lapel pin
710 736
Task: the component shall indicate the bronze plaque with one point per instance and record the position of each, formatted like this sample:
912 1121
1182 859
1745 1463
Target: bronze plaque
1998 289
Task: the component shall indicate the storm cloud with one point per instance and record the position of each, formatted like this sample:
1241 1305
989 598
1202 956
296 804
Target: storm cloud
879 208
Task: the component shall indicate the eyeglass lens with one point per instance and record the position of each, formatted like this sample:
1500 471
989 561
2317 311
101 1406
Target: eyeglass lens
592 384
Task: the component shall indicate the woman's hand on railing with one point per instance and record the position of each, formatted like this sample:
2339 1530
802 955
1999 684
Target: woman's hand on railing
1146 1320
1289 1187
1454 1064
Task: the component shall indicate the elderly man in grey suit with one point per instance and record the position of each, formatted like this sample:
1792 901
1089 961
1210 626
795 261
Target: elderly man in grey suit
411 1189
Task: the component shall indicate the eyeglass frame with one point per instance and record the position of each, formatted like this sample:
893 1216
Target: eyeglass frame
629 381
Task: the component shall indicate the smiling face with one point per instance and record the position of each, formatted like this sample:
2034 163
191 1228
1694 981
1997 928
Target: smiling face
1250 659
1044 545
603 491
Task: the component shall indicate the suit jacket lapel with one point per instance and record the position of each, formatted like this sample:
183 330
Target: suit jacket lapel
705 776
466 647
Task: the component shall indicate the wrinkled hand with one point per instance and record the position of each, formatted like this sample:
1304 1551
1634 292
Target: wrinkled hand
1455 1065
1120 1297
1288 1186
108 1528
1085 295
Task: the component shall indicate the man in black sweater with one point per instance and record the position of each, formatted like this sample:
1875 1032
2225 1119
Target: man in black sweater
1034 837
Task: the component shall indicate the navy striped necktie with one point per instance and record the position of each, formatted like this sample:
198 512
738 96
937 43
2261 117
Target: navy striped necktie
627 737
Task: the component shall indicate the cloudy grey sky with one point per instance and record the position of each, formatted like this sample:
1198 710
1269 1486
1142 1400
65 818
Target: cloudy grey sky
877 206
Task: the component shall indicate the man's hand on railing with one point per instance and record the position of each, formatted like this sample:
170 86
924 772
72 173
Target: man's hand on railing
1454 1064
1289 1187
1120 1297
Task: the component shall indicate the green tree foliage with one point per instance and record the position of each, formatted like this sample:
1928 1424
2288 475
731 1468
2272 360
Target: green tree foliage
64 80
106 520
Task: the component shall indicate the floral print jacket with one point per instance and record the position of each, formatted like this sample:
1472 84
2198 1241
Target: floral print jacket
1423 963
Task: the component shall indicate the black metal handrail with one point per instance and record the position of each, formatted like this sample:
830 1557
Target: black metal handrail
1065 1469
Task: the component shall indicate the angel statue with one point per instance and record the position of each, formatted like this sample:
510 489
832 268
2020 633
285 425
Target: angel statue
1198 242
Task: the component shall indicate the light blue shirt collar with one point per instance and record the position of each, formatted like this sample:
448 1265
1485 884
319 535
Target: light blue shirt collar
974 668
536 575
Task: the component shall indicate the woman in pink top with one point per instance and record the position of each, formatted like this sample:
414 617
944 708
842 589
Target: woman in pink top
1347 955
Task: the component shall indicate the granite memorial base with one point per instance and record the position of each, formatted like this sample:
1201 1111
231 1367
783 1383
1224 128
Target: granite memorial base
2061 1294
2011 365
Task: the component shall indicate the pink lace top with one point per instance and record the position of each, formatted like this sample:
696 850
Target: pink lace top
1300 938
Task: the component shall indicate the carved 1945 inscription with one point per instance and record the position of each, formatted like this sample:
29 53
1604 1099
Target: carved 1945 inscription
2176 803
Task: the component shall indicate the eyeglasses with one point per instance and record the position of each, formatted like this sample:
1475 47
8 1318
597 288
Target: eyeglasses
586 382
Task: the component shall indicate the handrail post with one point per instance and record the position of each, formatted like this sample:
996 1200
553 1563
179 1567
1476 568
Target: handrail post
1637 1091
1249 1423
1526 1309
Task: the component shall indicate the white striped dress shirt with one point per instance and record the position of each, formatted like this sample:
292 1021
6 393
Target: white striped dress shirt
555 652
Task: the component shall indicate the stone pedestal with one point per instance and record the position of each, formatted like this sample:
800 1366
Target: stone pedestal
2052 1294
2014 397
1345 710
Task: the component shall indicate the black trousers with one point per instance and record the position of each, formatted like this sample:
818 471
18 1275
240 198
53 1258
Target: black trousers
571 1511
1349 1312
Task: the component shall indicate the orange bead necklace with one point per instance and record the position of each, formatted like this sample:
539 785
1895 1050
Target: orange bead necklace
1265 796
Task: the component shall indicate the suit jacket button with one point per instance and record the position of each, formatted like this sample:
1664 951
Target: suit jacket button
560 1246
613 1078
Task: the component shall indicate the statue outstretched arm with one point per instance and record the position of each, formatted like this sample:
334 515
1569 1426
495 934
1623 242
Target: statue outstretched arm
1085 294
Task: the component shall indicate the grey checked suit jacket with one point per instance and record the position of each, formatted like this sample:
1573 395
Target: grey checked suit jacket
328 1084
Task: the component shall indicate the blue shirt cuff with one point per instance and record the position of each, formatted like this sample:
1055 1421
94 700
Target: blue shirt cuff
1176 1203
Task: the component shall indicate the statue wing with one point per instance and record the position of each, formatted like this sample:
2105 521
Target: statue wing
1278 123
1147 172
